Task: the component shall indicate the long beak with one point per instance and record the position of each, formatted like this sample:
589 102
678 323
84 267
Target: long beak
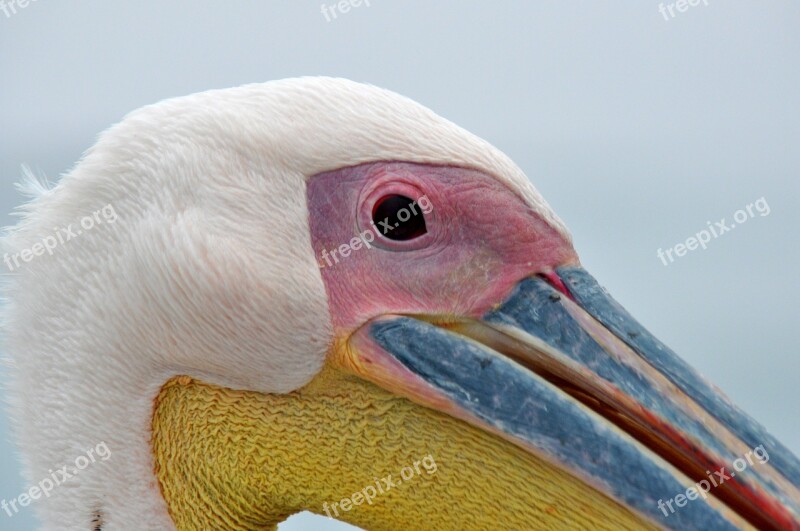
562 370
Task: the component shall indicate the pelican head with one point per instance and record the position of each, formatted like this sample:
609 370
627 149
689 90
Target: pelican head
319 295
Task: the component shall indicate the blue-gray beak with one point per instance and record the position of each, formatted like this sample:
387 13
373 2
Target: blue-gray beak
561 369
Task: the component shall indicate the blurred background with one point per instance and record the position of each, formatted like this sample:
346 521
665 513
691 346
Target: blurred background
638 122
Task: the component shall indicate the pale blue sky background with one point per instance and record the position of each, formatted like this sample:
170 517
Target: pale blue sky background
637 130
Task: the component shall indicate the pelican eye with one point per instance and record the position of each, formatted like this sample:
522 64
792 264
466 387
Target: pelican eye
398 217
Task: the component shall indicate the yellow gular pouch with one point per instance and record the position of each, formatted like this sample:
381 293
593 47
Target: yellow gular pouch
241 460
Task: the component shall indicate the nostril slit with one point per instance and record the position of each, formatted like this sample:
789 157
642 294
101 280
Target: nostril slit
556 283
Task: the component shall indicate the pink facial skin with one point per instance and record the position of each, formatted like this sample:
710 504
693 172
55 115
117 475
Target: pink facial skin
481 240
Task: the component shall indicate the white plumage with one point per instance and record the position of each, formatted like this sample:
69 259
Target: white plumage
205 273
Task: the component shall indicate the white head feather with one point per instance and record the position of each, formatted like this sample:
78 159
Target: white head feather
208 270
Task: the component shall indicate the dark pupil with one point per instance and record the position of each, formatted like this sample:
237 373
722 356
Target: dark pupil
399 218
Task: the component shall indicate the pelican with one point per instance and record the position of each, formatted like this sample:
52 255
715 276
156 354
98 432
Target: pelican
309 288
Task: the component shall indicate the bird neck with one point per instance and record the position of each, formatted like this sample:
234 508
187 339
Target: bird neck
91 420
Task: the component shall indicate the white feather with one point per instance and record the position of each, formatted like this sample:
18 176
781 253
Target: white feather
208 270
